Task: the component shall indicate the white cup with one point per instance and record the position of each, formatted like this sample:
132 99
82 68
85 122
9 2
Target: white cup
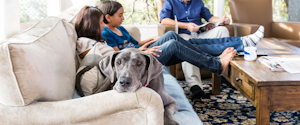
250 53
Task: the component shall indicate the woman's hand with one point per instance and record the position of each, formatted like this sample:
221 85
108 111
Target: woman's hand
153 50
144 47
150 50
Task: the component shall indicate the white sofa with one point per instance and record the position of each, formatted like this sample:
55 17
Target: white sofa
37 77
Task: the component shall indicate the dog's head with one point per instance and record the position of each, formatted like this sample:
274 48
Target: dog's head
133 68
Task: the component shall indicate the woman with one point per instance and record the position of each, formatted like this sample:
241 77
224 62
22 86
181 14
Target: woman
89 26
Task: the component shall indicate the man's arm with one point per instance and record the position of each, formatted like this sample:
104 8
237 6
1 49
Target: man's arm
215 19
190 26
165 17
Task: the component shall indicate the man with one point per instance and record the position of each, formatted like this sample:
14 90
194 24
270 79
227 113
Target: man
189 14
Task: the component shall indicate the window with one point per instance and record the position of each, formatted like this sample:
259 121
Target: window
31 12
280 10
139 12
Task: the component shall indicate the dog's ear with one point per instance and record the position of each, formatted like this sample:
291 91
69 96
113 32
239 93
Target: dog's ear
153 69
106 65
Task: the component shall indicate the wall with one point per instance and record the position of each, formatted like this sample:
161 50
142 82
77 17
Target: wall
147 31
9 18
55 7
65 4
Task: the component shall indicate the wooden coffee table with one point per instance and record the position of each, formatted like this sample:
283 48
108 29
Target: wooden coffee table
266 90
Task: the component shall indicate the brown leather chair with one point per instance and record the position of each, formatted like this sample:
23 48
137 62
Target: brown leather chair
246 14
176 70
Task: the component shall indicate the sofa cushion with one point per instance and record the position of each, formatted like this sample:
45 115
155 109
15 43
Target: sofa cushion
70 14
93 81
38 64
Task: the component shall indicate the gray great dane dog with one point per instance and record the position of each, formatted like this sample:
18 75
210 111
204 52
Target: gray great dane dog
135 69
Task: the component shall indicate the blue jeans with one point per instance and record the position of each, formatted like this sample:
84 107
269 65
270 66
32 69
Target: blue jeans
199 52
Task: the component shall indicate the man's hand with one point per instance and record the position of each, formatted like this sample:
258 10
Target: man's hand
192 27
226 19
219 21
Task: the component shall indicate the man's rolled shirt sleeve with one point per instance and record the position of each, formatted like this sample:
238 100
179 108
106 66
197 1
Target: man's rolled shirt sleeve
206 14
166 11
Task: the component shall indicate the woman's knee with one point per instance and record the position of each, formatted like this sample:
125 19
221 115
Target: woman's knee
170 33
172 43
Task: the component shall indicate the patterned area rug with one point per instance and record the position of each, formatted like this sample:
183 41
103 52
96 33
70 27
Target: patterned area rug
231 107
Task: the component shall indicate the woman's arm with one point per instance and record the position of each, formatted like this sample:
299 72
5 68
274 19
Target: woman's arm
140 43
116 48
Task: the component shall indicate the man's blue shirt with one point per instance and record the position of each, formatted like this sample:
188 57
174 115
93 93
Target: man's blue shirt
193 11
125 41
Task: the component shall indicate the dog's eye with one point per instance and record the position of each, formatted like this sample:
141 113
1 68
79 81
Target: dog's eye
139 63
119 62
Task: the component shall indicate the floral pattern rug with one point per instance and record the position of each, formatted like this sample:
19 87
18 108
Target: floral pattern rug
231 107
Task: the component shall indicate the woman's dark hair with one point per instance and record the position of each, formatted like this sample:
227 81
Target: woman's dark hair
88 23
109 7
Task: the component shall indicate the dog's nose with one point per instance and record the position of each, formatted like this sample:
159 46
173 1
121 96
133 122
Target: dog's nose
125 81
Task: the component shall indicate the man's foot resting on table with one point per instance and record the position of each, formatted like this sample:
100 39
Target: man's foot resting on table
252 39
197 92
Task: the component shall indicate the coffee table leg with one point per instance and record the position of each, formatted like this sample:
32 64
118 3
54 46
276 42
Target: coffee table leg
216 84
263 106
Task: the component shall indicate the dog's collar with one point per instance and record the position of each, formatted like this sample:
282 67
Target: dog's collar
145 84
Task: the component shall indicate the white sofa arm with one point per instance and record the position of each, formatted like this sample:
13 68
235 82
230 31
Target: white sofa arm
133 31
141 107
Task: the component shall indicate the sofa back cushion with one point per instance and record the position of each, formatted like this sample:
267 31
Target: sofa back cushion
38 64
70 14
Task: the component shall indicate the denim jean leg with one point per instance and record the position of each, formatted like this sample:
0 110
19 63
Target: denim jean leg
174 52
215 47
166 37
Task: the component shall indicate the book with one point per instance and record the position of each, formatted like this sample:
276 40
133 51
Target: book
206 27
273 63
289 64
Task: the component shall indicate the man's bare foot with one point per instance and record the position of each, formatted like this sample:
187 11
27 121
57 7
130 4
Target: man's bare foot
226 59
226 51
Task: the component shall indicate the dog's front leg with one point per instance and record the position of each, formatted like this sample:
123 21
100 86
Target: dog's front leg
171 106
170 109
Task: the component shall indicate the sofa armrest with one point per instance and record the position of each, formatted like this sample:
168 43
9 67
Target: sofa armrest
141 107
133 31
286 30
162 29
243 29
230 29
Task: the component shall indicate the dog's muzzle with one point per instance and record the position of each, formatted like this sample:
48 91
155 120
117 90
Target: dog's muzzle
125 81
